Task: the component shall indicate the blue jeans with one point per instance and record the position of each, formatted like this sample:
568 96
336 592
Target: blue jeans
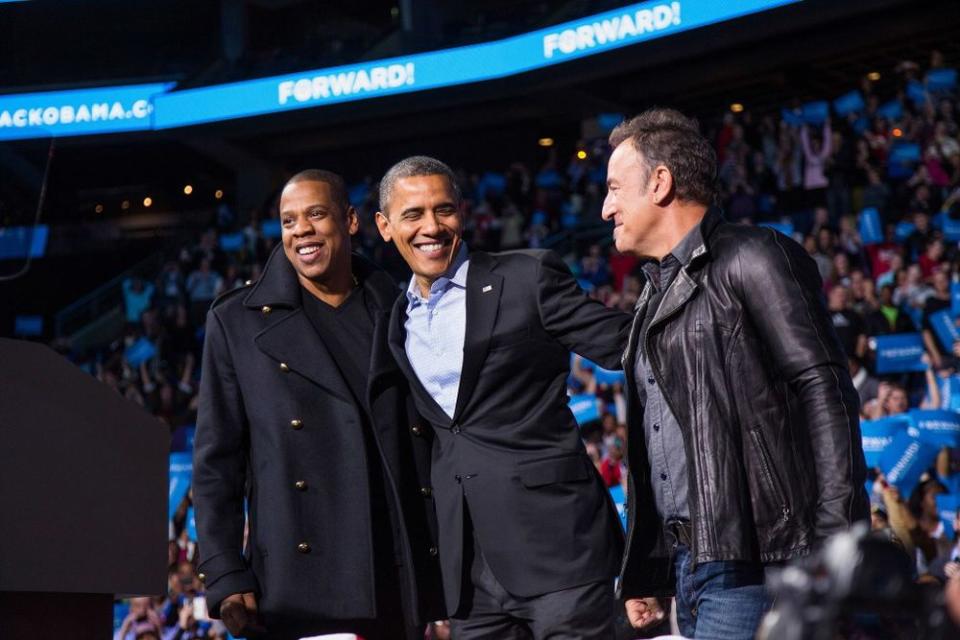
718 600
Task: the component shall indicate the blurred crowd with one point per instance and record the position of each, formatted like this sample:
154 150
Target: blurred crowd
811 180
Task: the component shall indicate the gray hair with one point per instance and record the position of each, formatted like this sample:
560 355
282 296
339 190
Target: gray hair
415 166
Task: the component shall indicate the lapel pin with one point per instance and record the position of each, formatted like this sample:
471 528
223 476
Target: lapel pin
489 287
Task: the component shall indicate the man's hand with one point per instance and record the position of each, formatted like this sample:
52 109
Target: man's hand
239 614
643 612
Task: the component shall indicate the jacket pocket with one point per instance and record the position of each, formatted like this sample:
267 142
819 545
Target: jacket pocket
768 470
538 473
508 338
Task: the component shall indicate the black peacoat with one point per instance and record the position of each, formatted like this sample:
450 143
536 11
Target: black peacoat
279 431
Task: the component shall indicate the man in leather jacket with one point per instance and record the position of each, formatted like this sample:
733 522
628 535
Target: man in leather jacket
744 442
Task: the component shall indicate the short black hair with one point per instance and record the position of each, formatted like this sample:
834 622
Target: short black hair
338 188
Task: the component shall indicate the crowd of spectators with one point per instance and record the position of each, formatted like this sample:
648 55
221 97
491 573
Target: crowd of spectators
811 181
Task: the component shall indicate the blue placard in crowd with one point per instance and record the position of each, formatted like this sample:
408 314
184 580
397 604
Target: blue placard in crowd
181 473
191 524
791 117
955 298
917 93
905 460
786 228
950 393
849 103
140 351
620 501
904 230
816 112
951 228
878 434
585 408
899 352
941 79
871 230
946 329
904 153
936 427
231 241
608 377
947 505
28 326
892 110
270 229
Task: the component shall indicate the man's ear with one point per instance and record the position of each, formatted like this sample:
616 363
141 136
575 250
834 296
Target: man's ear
662 185
353 221
383 226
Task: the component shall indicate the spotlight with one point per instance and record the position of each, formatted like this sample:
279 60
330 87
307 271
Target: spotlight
188 189
147 201
98 208
736 107
897 132
125 205
873 76
581 154
545 142
218 194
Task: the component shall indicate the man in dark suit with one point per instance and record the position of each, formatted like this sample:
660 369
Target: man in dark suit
529 538
305 417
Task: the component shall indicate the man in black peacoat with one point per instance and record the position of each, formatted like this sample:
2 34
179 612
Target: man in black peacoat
281 430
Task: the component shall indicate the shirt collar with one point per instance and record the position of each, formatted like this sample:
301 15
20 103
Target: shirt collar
682 253
456 274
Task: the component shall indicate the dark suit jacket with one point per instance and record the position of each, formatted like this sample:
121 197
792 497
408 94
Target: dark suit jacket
274 412
512 452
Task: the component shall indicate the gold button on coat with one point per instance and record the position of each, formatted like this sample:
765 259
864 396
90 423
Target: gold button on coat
416 430
202 577
296 423
303 547
265 309
284 367
301 485
426 492
434 551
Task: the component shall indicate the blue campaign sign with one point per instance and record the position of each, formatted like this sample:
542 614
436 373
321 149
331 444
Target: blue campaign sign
786 228
620 501
232 241
140 351
191 524
905 460
871 230
950 393
951 228
904 153
947 505
899 352
904 230
181 474
878 434
946 329
20 242
792 117
816 112
936 427
955 298
588 36
608 377
849 103
78 112
28 326
941 79
585 408
892 110
270 229
917 93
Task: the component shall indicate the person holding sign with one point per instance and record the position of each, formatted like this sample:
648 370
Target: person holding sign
305 424
744 446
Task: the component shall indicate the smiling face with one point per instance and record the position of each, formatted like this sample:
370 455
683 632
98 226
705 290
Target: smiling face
315 232
630 202
423 219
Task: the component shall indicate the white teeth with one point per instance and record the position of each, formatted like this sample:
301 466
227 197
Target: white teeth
430 247
303 251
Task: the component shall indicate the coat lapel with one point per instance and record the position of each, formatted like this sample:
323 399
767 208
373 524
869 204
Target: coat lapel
681 290
483 304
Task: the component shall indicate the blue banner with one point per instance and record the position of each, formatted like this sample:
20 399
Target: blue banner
905 460
936 427
78 112
849 103
816 112
871 230
878 434
181 474
620 501
947 505
899 352
941 79
946 329
585 408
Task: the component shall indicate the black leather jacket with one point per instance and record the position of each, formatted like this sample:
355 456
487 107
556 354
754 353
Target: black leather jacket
745 353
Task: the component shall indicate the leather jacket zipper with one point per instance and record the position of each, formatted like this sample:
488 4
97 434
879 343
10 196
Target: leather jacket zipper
775 483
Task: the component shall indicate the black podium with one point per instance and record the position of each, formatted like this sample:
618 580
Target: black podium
83 498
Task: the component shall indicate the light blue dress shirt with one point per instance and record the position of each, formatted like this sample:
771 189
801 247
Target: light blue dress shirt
435 332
